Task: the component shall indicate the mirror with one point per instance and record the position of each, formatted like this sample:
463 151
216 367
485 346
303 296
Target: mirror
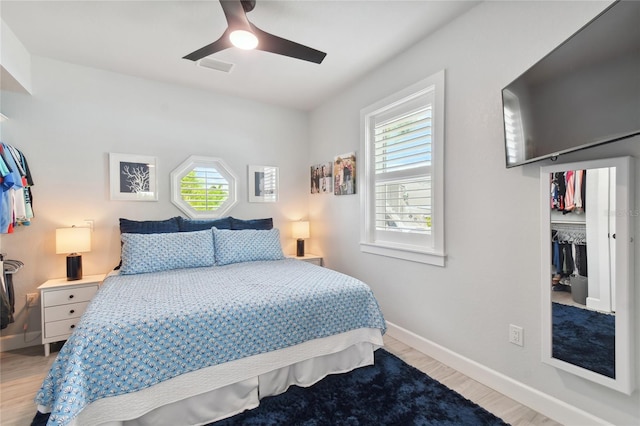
587 269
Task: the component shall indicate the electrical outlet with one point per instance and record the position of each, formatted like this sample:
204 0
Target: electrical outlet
32 299
516 335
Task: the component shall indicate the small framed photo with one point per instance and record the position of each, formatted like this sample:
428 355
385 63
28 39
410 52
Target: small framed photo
321 178
344 174
263 184
133 177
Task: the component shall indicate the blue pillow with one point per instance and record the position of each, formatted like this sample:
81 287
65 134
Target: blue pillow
246 245
142 253
149 226
187 225
237 224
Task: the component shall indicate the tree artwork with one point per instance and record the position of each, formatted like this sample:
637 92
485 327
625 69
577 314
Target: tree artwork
134 177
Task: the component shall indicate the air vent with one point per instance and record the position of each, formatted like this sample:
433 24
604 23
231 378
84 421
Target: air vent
215 65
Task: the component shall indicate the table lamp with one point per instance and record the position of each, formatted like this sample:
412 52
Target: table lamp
73 241
300 230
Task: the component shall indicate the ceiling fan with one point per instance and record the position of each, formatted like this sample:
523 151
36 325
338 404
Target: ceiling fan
243 34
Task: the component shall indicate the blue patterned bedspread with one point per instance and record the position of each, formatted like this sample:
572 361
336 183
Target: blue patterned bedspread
142 329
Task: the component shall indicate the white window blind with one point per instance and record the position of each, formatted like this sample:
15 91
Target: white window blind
402 172
204 189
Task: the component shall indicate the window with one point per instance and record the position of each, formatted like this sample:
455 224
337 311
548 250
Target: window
203 187
402 141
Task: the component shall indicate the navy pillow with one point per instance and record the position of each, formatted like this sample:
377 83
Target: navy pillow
149 226
189 225
260 224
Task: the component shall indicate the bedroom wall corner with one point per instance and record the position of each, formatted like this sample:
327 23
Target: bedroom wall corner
77 115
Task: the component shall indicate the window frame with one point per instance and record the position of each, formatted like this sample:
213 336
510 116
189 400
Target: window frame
207 162
431 251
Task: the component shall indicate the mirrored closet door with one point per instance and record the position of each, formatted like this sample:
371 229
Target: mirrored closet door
587 244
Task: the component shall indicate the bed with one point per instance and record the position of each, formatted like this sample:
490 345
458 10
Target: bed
198 326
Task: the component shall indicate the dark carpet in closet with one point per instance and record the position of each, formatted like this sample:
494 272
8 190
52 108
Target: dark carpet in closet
584 338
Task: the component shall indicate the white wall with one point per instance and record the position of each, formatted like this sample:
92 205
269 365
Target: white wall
491 278
77 115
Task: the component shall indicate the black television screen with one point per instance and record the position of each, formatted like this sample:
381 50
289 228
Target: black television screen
584 93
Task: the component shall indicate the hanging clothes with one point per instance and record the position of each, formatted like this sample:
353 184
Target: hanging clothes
568 254
7 292
568 191
16 200
581 260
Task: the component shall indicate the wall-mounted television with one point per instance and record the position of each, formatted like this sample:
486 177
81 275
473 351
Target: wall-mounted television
584 93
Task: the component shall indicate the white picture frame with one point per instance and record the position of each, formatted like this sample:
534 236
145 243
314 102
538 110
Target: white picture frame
133 177
263 184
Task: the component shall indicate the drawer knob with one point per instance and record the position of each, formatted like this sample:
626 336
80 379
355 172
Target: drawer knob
72 311
73 326
71 296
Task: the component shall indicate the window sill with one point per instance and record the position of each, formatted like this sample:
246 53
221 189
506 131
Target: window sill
406 253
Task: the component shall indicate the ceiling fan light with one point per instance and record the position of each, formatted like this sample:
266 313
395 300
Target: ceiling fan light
243 39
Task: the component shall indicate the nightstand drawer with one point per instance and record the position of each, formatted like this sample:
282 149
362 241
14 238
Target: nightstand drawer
309 258
61 312
60 328
71 295
316 261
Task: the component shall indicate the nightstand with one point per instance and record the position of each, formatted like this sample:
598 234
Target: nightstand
308 257
62 303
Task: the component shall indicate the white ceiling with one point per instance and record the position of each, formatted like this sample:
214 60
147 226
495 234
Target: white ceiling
149 38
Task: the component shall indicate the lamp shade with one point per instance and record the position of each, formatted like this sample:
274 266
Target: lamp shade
73 240
300 229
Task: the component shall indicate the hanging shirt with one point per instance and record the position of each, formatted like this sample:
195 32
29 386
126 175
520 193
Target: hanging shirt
577 197
569 192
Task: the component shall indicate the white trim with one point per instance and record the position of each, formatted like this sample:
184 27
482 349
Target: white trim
407 253
545 404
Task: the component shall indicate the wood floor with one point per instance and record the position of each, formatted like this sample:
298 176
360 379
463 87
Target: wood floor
22 372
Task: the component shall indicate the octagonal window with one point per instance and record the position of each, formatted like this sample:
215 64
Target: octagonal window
203 187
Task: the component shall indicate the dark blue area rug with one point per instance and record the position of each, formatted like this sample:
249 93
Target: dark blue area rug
390 392
584 338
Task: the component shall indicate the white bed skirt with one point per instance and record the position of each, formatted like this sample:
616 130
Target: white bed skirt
221 391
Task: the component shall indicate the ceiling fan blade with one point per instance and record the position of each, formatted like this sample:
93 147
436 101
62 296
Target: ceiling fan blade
236 19
218 45
274 44
235 14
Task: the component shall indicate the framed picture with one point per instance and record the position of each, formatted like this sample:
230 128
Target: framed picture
321 178
344 174
263 184
133 177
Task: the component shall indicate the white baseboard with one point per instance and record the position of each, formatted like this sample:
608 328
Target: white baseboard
542 403
19 341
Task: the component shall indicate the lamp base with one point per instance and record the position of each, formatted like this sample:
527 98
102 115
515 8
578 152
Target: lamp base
74 267
300 248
